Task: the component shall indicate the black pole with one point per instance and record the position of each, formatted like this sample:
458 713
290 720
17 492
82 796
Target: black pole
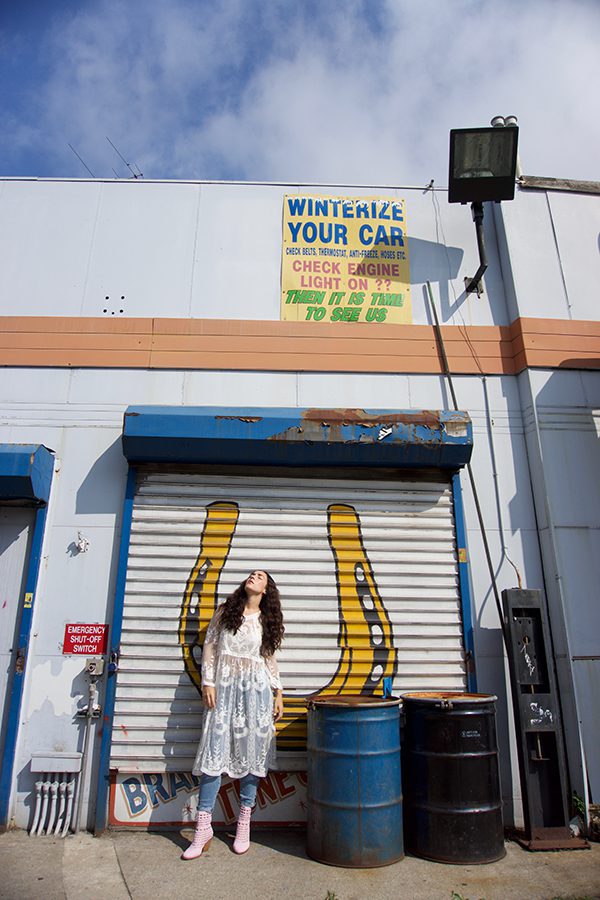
473 285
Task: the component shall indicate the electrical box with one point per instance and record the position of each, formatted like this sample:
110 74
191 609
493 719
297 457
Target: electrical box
95 667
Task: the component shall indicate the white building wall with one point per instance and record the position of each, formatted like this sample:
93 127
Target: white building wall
561 416
549 254
176 249
548 244
79 415
210 250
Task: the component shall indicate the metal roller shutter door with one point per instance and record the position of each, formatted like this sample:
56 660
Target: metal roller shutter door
362 563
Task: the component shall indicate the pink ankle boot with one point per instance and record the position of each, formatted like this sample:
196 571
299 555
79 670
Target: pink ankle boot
242 832
202 836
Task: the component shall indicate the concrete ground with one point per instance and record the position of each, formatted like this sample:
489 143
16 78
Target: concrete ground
144 866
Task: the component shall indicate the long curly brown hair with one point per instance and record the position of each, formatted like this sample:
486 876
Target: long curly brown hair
271 616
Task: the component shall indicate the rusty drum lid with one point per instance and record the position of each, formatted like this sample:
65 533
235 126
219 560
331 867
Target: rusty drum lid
352 700
446 698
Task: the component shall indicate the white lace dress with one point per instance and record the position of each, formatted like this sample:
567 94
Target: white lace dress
238 735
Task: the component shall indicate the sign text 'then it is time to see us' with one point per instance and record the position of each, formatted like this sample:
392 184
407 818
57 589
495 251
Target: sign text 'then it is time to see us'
345 259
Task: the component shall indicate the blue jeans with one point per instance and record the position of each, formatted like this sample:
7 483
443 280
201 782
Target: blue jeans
209 788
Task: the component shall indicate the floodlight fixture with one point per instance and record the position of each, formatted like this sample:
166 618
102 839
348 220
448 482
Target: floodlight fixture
483 166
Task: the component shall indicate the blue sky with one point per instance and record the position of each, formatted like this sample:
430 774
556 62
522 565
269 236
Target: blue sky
343 91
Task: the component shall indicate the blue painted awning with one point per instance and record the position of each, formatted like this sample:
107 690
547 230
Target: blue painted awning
297 437
25 472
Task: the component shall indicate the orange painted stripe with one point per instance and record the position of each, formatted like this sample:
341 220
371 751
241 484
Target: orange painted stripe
332 363
326 347
357 330
546 359
76 324
565 327
240 345
74 358
38 340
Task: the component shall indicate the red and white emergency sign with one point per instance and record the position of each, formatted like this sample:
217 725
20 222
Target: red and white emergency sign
89 639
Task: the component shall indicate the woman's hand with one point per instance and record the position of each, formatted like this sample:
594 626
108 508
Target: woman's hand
209 697
278 706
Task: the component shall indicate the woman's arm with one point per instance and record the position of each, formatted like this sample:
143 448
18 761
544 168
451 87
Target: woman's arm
278 706
209 661
273 670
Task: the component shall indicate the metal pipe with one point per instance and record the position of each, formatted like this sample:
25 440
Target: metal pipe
62 793
38 805
45 792
486 548
472 285
71 784
83 780
53 805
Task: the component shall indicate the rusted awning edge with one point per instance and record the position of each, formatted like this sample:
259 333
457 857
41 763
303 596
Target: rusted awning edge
297 437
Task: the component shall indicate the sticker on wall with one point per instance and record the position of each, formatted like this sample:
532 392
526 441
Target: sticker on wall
345 259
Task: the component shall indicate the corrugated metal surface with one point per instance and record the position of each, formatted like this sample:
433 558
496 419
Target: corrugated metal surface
367 571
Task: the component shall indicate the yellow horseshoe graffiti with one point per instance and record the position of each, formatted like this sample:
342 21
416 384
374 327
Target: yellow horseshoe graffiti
365 639
365 632
365 635
215 543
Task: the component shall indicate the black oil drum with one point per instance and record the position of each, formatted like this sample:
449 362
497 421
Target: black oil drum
452 802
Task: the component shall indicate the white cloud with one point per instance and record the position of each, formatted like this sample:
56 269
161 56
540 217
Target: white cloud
378 109
339 91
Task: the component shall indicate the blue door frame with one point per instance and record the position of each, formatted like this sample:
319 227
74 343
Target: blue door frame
25 478
111 682
464 582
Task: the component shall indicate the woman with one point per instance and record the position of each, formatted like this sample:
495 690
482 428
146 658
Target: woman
242 695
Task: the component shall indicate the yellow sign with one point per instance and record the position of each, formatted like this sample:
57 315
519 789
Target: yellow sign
345 259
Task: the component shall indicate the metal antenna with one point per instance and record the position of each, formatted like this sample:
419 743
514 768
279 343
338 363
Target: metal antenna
80 159
117 151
